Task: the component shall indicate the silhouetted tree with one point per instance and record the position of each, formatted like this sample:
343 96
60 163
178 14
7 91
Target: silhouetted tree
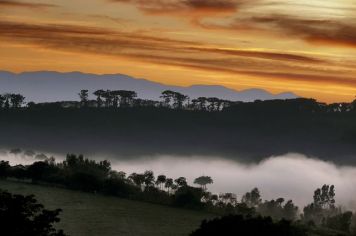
126 97
201 103
149 178
181 182
137 179
228 199
214 104
4 169
108 97
167 97
177 99
323 205
84 96
117 175
116 97
203 181
325 197
24 216
169 184
84 174
290 211
252 199
2 101
161 180
16 100
7 97
277 210
99 94
210 198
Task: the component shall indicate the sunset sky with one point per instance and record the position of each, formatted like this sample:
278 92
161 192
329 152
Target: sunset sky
303 46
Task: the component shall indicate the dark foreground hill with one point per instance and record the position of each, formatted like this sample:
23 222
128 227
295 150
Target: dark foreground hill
87 214
249 132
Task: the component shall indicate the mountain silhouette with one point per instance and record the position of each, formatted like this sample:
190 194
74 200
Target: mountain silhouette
48 86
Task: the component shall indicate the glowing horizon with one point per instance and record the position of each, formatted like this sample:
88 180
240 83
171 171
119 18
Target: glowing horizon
305 47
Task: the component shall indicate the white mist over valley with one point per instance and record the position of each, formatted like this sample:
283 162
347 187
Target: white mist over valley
291 176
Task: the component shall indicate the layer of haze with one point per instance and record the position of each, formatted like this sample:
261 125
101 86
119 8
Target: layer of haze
292 176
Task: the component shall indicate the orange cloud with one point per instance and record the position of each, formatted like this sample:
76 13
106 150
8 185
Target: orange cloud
18 4
333 32
101 38
183 7
163 51
320 31
326 32
261 54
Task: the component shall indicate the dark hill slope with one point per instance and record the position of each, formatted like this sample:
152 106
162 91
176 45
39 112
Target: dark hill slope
247 132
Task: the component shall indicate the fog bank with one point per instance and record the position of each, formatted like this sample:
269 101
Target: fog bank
291 176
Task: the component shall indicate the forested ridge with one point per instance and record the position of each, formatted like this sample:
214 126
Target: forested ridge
118 124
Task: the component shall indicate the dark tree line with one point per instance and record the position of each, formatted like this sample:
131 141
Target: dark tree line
170 99
79 173
108 98
178 101
251 204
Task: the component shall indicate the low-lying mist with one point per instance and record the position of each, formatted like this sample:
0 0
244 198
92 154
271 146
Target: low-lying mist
291 176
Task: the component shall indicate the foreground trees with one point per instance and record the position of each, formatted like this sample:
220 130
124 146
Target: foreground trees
24 216
80 173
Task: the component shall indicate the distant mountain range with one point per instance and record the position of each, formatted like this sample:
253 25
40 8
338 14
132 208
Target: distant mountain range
48 86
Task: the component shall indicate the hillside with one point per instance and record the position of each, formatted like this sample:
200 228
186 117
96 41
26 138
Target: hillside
247 132
87 214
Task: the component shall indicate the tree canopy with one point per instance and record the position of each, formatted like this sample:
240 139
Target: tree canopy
24 216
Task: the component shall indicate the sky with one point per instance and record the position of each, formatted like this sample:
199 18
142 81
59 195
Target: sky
303 46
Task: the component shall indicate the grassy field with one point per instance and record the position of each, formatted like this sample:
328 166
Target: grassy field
88 214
